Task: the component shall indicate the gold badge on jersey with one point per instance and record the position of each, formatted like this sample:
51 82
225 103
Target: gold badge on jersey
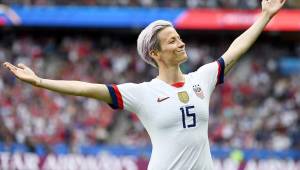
183 96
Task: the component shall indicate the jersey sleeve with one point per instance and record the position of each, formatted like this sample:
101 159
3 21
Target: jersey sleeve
125 96
212 74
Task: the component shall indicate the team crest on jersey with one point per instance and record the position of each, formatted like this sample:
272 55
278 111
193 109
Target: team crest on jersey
198 91
183 96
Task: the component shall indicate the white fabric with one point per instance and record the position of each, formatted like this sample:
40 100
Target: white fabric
173 146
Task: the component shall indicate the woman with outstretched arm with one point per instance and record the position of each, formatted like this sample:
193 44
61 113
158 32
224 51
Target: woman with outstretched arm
173 107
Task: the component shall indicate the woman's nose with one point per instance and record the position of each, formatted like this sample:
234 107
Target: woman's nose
181 44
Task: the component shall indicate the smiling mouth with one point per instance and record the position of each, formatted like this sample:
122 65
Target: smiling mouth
181 50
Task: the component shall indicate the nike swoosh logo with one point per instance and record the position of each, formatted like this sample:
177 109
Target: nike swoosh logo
162 99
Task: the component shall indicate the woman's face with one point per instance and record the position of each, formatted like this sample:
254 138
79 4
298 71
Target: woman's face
172 49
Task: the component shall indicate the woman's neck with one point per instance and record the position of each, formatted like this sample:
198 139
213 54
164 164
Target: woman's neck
170 75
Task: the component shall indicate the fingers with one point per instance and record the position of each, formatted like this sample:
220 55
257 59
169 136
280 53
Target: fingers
270 1
10 66
22 66
5 64
283 1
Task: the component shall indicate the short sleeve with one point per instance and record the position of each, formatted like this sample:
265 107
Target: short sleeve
211 74
125 96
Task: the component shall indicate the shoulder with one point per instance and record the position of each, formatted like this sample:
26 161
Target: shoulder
134 87
205 69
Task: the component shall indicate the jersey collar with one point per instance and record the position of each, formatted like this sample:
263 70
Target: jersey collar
178 84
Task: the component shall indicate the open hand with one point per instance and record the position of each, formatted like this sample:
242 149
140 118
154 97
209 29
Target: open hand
271 7
22 72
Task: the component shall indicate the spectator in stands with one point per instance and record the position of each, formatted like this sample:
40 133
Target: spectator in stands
29 120
244 4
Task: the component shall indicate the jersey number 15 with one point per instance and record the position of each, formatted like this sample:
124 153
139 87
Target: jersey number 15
186 111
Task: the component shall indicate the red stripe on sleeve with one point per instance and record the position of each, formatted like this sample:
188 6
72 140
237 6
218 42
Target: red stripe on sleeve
119 97
219 72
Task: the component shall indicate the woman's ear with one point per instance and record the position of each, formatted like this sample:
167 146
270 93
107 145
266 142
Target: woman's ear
154 54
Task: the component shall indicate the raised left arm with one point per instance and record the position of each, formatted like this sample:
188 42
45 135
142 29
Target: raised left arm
241 44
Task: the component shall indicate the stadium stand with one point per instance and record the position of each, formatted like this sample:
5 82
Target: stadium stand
242 4
256 110
259 106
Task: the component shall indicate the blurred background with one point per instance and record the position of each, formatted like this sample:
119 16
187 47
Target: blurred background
254 116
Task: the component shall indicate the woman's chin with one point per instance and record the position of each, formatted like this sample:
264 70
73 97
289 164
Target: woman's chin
183 58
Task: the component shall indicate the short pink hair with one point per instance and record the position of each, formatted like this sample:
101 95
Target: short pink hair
148 40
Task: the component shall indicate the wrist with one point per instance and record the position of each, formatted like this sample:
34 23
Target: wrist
267 15
38 82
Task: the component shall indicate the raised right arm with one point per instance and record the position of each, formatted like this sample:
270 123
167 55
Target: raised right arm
76 88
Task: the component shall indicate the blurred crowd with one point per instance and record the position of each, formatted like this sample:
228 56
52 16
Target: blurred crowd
256 107
246 4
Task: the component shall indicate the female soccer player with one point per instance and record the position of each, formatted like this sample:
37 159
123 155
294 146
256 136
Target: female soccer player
173 107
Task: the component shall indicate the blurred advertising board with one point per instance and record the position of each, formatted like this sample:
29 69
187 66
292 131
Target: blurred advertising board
122 17
289 65
117 157
216 19
107 161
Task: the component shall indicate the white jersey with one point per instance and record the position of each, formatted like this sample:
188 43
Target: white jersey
176 118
